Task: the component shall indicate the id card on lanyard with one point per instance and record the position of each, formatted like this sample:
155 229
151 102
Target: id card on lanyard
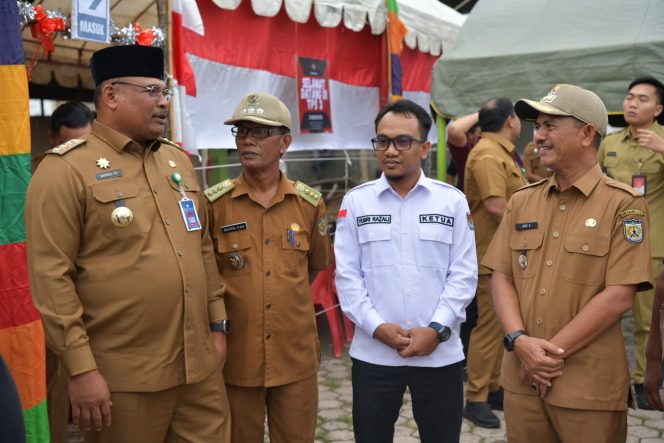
639 183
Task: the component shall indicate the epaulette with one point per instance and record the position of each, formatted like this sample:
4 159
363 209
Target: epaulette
66 146
214 192
170 142
530 185
617 184
308 193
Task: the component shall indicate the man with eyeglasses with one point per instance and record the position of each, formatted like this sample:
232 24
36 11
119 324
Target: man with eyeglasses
271 238
406 270
122 267
492 175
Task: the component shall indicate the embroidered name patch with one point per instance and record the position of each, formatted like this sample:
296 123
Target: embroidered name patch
234 227
627 212
612 154
525 226
372 219
437 218
633 230
110 174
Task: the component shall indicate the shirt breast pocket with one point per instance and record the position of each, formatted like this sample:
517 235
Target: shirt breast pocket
434 245
610 162
526 248
375 241
586 259
234 255
136 219
294 253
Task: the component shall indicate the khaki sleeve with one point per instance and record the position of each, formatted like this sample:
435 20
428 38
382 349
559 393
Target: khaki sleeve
600 154
320 248
629 253
54 219
498 256
491 177
216 289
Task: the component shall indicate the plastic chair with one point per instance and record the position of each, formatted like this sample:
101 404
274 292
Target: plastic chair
323 296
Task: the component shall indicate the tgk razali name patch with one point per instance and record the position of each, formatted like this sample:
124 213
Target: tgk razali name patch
633 230
373 219
437 218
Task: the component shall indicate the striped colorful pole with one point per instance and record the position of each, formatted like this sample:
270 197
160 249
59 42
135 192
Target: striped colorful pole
396 32
21 332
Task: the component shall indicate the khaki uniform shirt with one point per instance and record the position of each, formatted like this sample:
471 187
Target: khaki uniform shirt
561 249
274 340
490 172
134 301
531 158
622 157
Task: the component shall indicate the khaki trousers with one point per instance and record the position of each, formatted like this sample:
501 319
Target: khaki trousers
57 402
292 411
196 413
485 347
642 310
530 419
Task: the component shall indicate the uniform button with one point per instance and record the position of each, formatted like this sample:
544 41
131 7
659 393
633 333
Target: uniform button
563 207
407 262
372 235
549 262
179 254
542 291
269 305
556 234
267 336
167 221
189 326
267 274
155 190
187 289
611 181
539 320
405 232
234 245
585 248
523 243
408 293
267 241
410 325
118 194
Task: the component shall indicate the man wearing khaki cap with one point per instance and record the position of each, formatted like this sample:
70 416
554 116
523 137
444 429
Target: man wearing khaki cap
567 260
271 238
122 268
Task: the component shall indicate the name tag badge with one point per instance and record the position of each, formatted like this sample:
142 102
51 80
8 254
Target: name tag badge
639 183
189 214
234 227
525 226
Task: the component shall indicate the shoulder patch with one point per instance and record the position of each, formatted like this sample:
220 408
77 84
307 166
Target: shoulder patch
532 185
67 146
617 184
170 142
308 193
214 192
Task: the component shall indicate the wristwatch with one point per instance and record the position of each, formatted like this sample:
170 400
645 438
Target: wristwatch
509 339
444 333
221 326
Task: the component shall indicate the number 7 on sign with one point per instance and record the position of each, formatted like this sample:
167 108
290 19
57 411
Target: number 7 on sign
94 4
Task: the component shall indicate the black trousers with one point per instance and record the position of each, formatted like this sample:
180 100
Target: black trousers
436 393
11 414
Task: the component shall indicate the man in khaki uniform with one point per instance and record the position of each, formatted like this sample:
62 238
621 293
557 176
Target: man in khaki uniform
492 175
271 238
635 156
567 260
531 162
122 267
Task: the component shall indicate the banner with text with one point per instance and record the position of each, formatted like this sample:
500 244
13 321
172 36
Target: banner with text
313 96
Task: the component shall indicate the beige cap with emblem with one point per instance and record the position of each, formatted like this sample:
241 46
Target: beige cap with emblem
567 100
260 107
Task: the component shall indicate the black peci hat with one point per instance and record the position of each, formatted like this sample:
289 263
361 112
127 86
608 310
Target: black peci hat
127 61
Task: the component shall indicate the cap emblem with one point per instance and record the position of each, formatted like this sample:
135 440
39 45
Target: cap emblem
551 96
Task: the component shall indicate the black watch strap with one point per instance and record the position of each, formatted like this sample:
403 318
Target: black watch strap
444 332
221 326
508 341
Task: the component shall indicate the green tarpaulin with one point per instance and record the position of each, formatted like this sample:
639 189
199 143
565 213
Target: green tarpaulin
521 48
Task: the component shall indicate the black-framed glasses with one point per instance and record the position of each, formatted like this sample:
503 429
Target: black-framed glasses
153 90
256 132
401 142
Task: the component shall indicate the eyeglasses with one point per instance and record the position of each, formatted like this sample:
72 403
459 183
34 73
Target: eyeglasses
401 143
256 132
153 90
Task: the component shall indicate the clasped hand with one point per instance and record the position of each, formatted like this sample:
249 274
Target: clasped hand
541 362
407 342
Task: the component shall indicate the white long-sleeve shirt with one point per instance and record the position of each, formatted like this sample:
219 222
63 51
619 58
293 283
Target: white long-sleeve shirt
409 261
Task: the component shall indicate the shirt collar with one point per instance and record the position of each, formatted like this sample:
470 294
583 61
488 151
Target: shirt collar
242 187
118 140
507 145
382 184
625 135
585 184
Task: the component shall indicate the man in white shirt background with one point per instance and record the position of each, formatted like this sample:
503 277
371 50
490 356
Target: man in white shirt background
406 269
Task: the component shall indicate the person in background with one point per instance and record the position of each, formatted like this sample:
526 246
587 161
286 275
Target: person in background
122 267
69 121
653 376
492 175
271 237
531 161
635 156
567 260
406 269
462 134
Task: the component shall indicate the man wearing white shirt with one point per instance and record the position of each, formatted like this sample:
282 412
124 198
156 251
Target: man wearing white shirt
406 269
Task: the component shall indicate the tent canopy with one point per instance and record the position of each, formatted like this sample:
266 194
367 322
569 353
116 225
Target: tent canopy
521 48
